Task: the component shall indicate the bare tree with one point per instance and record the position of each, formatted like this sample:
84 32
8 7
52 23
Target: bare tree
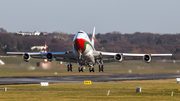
2 30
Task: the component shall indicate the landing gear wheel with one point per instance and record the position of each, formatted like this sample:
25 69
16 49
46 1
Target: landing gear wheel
89 69
93 69
80 69
68 68
101 68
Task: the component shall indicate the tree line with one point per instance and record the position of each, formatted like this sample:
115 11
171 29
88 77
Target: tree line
113 42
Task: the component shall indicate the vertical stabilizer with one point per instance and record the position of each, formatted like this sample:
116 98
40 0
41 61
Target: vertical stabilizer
93 37
45 50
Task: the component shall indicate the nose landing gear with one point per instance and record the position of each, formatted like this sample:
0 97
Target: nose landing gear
80 69
91 69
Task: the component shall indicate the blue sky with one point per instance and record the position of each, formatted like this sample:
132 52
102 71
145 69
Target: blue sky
125 16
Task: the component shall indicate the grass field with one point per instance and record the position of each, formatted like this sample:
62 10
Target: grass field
125 90
16 67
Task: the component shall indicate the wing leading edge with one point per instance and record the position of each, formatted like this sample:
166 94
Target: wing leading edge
110 56
131 54
45 55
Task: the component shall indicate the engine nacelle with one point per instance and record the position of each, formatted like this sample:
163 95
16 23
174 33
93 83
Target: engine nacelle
147 58
118 57
49 57
26 57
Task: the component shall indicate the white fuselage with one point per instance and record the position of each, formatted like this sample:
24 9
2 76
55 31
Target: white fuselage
83 47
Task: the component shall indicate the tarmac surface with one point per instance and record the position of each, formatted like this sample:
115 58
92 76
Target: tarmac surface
93 78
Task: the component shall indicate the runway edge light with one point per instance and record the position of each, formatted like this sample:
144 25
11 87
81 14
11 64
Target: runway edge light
87 82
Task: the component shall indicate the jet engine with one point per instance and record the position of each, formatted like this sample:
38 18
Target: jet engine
147 58
118 57
49 57
26 57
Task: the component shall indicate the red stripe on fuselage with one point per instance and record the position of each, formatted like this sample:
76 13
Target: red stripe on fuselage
79 45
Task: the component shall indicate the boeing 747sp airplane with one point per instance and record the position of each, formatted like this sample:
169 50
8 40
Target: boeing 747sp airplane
85 54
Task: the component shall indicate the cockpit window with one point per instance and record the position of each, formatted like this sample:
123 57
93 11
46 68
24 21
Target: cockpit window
80 32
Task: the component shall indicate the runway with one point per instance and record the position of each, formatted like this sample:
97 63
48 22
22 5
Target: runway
93 78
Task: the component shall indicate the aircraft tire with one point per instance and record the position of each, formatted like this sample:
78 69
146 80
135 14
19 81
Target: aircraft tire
99 68
102 68
68 68
71 68
79 69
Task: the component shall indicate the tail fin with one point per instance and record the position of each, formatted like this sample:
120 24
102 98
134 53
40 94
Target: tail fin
93 37
45 50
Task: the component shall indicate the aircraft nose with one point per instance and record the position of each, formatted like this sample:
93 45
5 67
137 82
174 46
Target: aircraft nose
79 45
78 35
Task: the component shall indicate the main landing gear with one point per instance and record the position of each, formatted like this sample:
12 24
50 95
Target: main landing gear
91 69
69 67
101 68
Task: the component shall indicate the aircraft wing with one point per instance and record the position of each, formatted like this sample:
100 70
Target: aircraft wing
132 54
110 56
59 56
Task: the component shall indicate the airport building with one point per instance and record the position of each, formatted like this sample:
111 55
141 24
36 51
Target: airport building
36 33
